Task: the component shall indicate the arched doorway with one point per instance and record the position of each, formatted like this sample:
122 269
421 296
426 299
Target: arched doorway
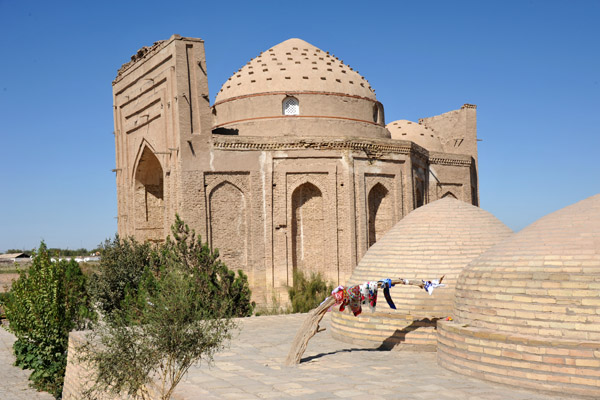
228 225
308 230
381 215
149 198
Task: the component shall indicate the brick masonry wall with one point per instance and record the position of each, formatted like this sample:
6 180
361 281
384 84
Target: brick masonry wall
79 375
550 364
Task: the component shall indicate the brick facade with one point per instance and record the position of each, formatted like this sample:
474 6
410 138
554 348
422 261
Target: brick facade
272 192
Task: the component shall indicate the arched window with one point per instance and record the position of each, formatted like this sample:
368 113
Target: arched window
291 106
378 114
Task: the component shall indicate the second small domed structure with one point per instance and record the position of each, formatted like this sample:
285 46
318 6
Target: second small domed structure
529 308
435 240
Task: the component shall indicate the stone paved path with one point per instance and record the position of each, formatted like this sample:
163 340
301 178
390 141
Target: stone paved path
252 368
14 384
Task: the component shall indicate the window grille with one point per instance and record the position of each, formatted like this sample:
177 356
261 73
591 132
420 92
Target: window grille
291 106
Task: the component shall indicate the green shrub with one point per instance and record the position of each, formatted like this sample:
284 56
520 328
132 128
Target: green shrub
121 267
123 262
43 306
180 312
3 299
308 293
186 251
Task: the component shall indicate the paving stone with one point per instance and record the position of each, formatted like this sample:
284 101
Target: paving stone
332 369
14 383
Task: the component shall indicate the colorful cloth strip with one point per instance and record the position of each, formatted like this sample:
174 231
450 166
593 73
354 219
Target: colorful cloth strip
430 285
386 284
356 296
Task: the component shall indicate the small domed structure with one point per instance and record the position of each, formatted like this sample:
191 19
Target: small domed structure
529 308
417 133
440 238
298 89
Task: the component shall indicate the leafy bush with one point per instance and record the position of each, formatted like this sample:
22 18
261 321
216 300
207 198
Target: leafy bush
180 312
3 298
43 306
308 293
122 265
272 308
186 251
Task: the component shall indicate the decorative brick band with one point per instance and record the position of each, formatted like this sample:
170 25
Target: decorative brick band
371 148
450 161
550 364
293 117
295 93
368 147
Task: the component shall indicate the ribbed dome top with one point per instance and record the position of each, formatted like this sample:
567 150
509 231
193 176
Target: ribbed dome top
543 281
419 134
440 238
295 66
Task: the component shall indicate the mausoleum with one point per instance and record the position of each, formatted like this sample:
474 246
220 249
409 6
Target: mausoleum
292 168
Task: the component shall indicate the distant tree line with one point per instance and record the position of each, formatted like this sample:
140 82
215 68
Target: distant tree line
56 251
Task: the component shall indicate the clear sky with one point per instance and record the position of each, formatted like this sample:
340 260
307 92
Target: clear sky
532 68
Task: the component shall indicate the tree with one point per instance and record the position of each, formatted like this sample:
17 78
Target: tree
180 313
121 268
43 306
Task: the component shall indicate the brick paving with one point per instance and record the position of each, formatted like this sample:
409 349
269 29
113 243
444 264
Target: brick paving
253 368
14 383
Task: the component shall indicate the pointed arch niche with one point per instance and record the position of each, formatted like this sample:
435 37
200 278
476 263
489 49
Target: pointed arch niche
380 212
149 197
308 229
228 225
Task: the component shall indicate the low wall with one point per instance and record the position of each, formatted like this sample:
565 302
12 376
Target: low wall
78 375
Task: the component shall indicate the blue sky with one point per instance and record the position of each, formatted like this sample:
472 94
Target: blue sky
532 67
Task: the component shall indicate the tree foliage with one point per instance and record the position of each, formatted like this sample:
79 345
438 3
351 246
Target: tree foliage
180 312
122 265
308 293
43 306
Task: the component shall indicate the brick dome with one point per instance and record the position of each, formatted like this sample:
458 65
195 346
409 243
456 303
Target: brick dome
533 302
295 65
440 238
417 133
329 98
